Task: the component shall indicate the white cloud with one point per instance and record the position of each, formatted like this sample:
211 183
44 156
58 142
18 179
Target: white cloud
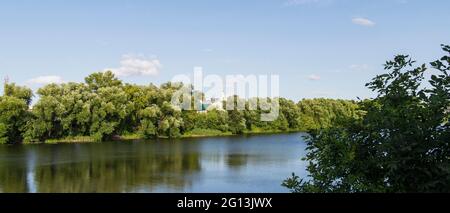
363 22
50 79
137 66
359 67
314 77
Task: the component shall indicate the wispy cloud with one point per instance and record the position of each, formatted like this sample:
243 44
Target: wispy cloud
49 79
137 66
314 77
363 22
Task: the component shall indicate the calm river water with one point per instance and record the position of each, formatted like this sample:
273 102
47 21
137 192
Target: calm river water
226 164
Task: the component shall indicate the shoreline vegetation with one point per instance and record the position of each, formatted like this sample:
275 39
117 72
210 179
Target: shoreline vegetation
399 145
135 137
103 108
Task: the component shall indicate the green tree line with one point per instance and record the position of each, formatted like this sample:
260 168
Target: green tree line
103 107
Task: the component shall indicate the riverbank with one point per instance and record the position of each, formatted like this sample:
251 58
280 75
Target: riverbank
196 133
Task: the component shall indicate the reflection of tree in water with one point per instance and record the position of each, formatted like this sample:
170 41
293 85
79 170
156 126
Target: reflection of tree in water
13 174
237 160
104 168
238 155
13 179
241 160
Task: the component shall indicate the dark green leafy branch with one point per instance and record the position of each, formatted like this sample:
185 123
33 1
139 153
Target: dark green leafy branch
401 144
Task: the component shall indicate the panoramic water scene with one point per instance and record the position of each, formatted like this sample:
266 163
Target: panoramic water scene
226 104
251 163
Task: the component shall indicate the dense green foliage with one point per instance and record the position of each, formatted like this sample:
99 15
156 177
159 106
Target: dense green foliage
103 107
401 144
12 119
323 113
14 113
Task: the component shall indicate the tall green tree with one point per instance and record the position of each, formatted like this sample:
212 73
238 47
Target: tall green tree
171 122
236 121
46 122
149 121
14 114
23 93
99 80
13 117
108 110
324 113
290 112
400 145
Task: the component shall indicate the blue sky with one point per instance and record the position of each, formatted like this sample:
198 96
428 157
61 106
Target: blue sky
320 48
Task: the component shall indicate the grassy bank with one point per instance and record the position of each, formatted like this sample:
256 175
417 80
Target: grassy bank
195 133
76 139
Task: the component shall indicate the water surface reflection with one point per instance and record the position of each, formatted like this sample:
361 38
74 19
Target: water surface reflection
228 164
